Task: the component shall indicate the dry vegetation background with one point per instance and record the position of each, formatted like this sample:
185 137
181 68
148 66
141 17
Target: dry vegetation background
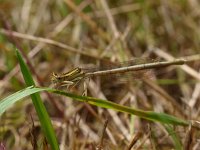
56 36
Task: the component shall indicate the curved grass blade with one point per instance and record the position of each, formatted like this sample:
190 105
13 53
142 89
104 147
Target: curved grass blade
39 106
148 115
7 102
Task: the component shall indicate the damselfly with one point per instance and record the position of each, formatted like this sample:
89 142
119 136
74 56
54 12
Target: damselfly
75 75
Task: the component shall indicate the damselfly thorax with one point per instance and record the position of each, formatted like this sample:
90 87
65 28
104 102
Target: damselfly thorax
66 79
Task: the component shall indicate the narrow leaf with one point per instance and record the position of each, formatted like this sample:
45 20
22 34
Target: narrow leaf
39 106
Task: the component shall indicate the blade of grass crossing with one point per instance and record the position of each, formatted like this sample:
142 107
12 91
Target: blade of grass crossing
39 106
149 115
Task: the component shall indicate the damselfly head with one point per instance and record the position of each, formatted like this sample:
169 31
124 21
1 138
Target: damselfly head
55 78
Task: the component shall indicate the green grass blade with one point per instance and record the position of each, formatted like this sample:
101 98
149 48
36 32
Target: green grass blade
149 115
7 102
39 106
176 140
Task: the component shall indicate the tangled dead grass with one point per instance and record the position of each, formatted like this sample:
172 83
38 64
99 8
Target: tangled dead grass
56 36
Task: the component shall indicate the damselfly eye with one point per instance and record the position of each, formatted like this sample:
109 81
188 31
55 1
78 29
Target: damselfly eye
54 74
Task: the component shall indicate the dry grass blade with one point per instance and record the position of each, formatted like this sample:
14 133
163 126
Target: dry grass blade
100 146
136 137
189 139
88 20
